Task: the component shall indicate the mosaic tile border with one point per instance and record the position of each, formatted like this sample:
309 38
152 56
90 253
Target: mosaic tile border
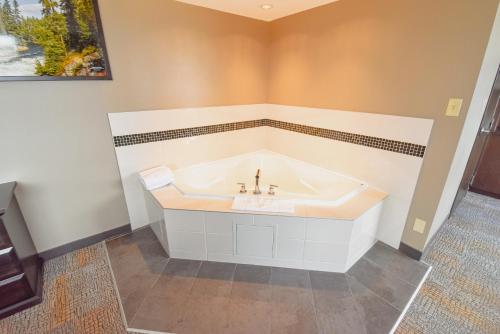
353 138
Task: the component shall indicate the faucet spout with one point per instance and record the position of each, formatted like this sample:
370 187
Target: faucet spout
257 189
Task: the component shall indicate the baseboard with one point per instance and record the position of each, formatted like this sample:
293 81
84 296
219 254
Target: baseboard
410 251
78 244
483 192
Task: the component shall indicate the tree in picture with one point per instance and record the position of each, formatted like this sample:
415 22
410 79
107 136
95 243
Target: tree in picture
51 38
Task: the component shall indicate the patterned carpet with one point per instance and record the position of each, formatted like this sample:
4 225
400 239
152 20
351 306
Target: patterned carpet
462 292
461 295
78 297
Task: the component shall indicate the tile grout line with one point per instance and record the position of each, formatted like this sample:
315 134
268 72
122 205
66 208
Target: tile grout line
370 291
184 311
391 273
146 294
352 296
407 307
122 311
145 331
316 321
375 293
115 285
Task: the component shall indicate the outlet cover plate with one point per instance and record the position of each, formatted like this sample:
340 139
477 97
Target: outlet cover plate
454 107
419 226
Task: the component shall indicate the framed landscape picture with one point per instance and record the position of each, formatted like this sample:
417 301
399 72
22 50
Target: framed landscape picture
52 40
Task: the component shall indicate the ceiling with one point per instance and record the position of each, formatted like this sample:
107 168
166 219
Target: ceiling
252 8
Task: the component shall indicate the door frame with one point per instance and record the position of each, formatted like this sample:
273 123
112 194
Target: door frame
490 118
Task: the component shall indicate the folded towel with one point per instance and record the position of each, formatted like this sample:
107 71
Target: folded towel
156 177
262 204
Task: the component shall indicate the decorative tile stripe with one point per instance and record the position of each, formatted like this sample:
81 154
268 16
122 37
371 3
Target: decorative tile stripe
353 138
149 137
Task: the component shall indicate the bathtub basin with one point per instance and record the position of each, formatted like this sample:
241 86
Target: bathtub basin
296 181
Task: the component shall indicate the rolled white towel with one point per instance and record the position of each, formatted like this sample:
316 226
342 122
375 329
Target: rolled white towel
156 177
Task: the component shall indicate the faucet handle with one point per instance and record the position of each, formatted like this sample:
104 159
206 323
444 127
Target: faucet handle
271 189
243 188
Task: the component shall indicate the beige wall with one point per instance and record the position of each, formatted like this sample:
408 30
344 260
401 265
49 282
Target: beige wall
391 57
55 137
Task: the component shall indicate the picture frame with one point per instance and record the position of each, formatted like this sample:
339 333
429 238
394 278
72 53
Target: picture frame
64 41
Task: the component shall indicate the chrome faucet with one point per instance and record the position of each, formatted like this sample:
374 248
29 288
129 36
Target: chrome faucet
257 189
243 188
271 191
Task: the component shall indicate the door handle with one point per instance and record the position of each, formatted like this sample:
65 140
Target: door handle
486 131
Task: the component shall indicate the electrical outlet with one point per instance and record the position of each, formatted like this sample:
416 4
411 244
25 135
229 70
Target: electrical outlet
419 226
454 107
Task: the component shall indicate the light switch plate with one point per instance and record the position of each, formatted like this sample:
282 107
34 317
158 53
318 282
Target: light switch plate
454 107
419 226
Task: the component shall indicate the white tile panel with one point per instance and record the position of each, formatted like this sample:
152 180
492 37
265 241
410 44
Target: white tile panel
287 227
290 249
187 221
326 230
168 119
243 219
325 252
220 244
193 243
218 223
408 129
254 241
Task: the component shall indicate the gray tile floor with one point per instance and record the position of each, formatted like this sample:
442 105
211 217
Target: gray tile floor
185 297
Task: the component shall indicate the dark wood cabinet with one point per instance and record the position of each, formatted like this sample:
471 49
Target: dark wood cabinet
20 265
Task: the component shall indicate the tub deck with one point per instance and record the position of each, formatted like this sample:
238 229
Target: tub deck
170 198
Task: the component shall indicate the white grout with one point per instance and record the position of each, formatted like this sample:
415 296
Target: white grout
415 293
115 286
144 331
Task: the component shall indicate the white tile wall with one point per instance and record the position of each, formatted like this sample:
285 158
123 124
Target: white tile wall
191 244
243 219
290 249
326 252
288 227
156 215
326 230
176 154
254 241
294 242
186 221
169 119
409 129
218 223
220 244
364 234
391 172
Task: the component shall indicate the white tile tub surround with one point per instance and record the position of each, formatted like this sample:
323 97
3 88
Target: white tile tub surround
179 152
291 242
393 172
169 119
406 129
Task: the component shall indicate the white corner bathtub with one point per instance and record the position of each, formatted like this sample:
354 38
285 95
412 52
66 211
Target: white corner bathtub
335 224
297 181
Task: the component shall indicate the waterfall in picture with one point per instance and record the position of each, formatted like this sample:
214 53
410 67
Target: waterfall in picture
14 62
8 48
